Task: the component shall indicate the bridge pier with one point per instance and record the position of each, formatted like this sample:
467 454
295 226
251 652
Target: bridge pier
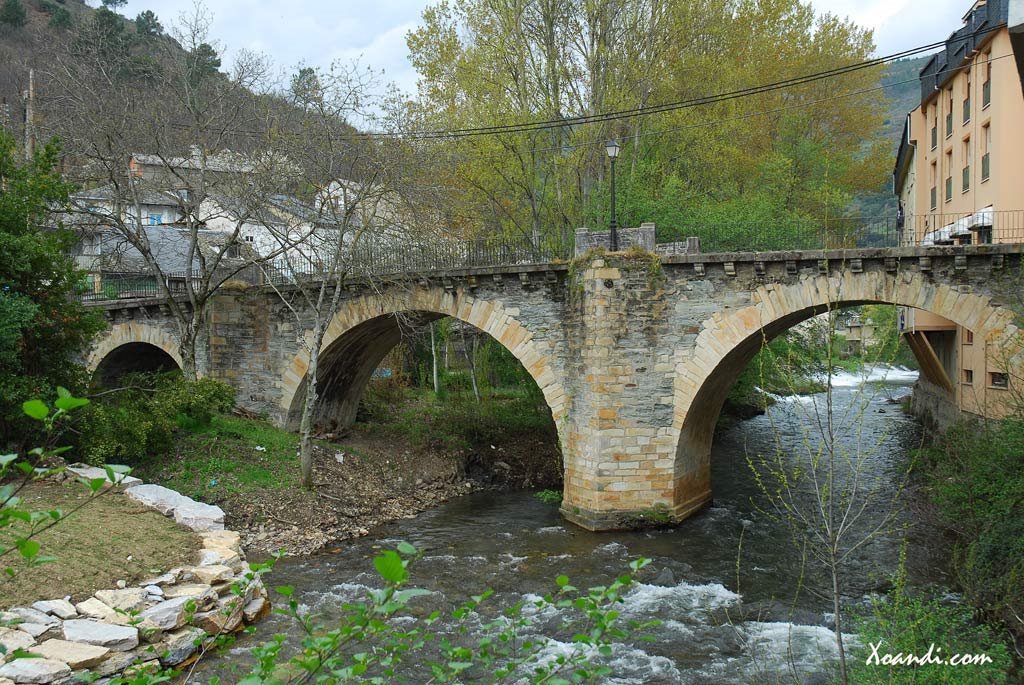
620 446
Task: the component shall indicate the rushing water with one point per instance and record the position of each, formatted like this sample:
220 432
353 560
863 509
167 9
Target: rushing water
722 583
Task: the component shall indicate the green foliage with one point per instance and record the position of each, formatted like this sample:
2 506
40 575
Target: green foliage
61 19
19 526
383 638
975 474
139 421
12 13
902 624
888 345
549 496
42 326
147 24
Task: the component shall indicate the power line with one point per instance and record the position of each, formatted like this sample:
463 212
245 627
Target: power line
667 107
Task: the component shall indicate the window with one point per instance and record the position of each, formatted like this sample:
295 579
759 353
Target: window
250 239
998 380
949 112
154 219
986 86
986 145
968 376
968 159
968 337
935 126
934 185
967 96
949 176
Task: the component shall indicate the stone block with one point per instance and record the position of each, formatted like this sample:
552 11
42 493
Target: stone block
115 638
74 654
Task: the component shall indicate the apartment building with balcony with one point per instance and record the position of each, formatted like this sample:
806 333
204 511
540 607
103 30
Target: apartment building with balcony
959 176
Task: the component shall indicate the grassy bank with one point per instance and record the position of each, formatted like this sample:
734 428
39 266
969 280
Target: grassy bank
109 539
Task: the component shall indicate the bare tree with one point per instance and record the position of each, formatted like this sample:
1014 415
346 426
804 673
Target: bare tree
175 158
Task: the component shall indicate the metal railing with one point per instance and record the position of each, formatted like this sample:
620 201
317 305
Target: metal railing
426 258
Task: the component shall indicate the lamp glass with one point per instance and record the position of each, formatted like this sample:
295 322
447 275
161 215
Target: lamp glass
612 146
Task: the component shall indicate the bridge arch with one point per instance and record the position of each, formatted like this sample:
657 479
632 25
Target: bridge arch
132 346
729 340
367 327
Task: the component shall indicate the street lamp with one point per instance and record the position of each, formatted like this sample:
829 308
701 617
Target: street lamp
612 146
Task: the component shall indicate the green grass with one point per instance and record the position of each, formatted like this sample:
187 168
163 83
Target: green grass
223 458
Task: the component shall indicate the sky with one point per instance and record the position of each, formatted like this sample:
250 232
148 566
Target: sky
318 32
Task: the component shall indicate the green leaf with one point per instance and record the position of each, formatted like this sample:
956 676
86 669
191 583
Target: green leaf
28 548
403 596
390 567
562 581
70 403
37 409
406 549
6 459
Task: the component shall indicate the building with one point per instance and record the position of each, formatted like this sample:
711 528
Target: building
959 177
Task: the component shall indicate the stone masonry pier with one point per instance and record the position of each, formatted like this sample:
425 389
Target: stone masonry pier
634 352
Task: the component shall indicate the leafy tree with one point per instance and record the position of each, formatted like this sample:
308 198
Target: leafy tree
61 19
13 13
42 327
205 61
147 24
114 4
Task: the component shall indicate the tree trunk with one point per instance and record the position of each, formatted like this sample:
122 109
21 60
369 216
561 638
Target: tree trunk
433 359
306 423
471 361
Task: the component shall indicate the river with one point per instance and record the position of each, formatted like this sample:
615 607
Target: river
729 612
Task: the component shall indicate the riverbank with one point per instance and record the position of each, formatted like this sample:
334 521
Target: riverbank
420 455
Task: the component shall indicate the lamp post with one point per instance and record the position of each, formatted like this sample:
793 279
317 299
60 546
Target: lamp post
612 146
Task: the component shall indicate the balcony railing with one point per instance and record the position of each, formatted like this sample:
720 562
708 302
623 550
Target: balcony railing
949 188
986 93
949 124
966 181
984 166
967 109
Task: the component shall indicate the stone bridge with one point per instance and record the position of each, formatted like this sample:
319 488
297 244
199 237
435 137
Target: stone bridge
634 353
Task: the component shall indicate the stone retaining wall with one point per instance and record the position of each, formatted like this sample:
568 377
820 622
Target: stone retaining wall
161 622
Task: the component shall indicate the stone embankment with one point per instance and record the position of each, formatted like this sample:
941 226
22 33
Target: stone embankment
162 622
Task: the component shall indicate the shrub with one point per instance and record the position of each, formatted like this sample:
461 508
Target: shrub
140 421
918 626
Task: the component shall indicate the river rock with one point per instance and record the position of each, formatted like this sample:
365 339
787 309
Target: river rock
179 646
15 639
32 629
167 615
203 594
35 670
116 638
197 515
157 497
225 617
94 472
74 654
169 578
213 574
61 608
154 591
34 616
94 608
227 539
254 610
220 556
129 599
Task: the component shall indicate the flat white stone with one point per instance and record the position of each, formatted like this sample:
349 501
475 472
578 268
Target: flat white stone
198 516
254 609
61 608
128 599
157 497
213 574
179 646
74 654
94 472
94 608
35 670
33 629
220 556
167 615
169 578
15 639
116 638
34 616
227 539
154 590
